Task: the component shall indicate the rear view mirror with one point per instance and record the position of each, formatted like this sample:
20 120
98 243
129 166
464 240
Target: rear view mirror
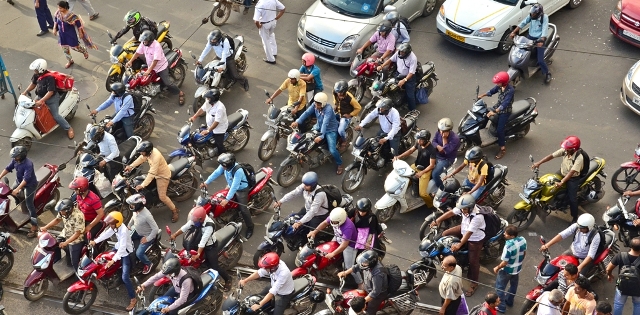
266 93
531 158
62 166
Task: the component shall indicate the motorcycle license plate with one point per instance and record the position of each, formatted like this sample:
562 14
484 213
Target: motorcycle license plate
524 198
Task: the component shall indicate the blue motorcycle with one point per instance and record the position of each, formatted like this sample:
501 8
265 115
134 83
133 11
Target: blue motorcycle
204 147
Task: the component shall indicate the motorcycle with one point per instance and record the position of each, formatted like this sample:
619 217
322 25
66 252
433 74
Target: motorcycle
618 218
473 126
540 195
34 122
629 171
523 60
2 312
222 10
151 85
6 254
204 147
364 71
120 55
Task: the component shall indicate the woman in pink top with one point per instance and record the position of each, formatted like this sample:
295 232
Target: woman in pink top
385 40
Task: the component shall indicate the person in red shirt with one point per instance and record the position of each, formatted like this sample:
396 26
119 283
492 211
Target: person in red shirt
490 305
89 204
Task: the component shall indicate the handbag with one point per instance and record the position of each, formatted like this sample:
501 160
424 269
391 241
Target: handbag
422 97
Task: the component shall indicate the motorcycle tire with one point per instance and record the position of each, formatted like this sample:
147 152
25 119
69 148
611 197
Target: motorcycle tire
261 201
112 79
6 263
386 214
158 291
267 148
629 180
220 15
36 291
197 103
242 64
352 176
188 186
521 219
144 126
259 253
464 146
494 252
288 174
72 113
526 306
166 44
238 139
67 302
358 90
230 258
427 273
178 74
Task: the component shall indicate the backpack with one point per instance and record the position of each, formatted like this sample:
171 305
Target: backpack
334 196
590 237
629 277
491 220
137 102
195 276
585 163
405 22
193 236
64 82
249 173
476 310
232 44
394 278
490 171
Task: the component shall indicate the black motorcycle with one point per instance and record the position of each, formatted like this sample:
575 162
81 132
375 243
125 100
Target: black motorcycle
618 218
6 254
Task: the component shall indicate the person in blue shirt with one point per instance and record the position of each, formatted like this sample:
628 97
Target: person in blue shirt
125 111
221 46
399 30
502 108
327 125
537 32
238 186
26 179
310 73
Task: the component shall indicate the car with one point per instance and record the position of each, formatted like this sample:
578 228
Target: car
486 24
334 29
625 22
630 90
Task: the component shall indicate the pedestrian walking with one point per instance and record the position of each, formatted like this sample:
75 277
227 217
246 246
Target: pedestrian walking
43 14
450 286
87 6
627 282
69 27
509 268
265 16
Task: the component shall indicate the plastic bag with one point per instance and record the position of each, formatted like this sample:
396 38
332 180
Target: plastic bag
102 184
422 96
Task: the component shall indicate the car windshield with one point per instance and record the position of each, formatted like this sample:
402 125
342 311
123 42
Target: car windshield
507 2
354 8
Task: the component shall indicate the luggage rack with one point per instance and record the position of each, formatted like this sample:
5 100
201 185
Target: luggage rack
404 302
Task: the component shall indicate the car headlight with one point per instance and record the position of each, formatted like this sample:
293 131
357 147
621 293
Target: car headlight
302 22
114 59
441 13
617 11
485 32
631 70
348 43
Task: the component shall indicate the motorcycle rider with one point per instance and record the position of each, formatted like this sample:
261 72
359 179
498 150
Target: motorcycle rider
26 179
108 151
633 232
367 226
182 285
72 232
327 125
45 87
216 117
347 107
538 32
310 73
138 24
123 248
470 231
375 279
222 45
406 66
426 159
572 163
125 112
316 204
385 40
158 170
446 141
502 107
297 89
345 233
146 229
478 171
399 30
390 125
89 204
582 231
281 287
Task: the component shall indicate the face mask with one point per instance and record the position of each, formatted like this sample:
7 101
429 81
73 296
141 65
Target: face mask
197 224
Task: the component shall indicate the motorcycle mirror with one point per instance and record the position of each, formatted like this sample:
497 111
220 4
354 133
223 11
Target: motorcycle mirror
124 160
542 240
6 181
238 273
89 108
531 158
168 229
267 94
477 91
110 36
204 20
188 111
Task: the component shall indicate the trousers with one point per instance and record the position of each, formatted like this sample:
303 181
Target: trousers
441 166
30 195
86 4
572 193
162 184
232 70
281 301
332 142
540 55
423 184
43 14
54 104
166 80
243 199
500 129
410 90
219 141
268 36
474 247
211 259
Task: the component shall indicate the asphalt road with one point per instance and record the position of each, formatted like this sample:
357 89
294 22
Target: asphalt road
582 99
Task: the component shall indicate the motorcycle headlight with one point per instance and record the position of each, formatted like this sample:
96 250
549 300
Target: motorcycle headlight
348 43
114 59
424 253
302 22
3 207
485 32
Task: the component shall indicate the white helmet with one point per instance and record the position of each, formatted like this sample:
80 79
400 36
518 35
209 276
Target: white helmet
338 215
586 220
320 98
445 124
294 74
39 65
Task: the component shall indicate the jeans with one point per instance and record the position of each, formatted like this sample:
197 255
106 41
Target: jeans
141 248
166 80
572 193
349 257
332 141
30 195
85 3
73 253
281 302
211 259
247 3
441 166
172 293
476 194
619 300
128 123
243 199
506 298
342 128
410 90
126 278
500 129
393 143
540 55
54 103
43 14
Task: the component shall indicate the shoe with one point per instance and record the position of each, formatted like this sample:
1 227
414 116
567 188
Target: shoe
47 32
69 64
263 59
246 85
147 269
95 16
246 10
132 304
547 78
501 311
249 234
227 286
50 27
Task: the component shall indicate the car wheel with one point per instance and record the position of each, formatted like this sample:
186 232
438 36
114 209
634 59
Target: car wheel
505 43
429 7
574 3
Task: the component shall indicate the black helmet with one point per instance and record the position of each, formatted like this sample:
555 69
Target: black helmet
423 134
147 37
171 266
385 27
536 11
65 205
18 152
213 94
227 160
317 296
214 37
118 88
364 205
145 146
404 50
310 179
341 86
96 134
392 17
450 185
384 105
367 259
474 154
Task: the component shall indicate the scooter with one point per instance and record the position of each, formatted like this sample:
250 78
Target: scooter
6 254
34 122
619 218
625 178
523 60
395 187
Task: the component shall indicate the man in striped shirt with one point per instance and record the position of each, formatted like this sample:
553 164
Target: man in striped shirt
509 268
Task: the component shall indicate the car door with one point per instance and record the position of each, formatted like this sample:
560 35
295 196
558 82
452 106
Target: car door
400 5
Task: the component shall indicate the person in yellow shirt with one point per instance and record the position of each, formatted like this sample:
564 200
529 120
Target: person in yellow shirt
478 171
297 92
347 107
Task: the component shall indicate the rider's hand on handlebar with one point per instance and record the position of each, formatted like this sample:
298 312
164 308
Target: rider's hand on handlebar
128 64
358 128
359 51
433 224
203 185
341 274
535 165
197 63
512 35
93 112
312 233
277 204
128 169
139 289
627 193
294 124
92 243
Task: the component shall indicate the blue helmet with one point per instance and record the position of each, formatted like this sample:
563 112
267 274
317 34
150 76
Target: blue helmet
310 179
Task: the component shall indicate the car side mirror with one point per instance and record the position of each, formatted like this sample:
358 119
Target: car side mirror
389 8
531 158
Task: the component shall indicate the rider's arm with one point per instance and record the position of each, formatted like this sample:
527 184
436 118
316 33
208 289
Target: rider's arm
547 158
478 184
107 233
408 152
123 31
377 281
153 279
207 231
524 23
148 217
562 235
98 218
490 93
457 169
356 106
214 175
508 98
127 103
306 114
453 142
545 26
290 195
154 166
303 93
53 222
370 117
138 161
394 117
205 52
238 178
593 248
432 163
318 202
446 215
465 237
75 236
106 103
321 226
187 284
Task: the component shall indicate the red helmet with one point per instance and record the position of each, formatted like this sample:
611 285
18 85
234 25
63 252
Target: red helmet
269 261
309 59
501 78
197 214
571 143
79 183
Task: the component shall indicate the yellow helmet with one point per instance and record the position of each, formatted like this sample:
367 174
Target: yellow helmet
114 217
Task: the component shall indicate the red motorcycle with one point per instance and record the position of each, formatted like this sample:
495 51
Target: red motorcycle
151 85
626 177
47 195
364 72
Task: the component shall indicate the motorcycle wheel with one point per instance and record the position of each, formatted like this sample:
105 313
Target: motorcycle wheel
594 185
112 79
364 114
386 214
166 44
238 139
358 90
259 253
261 201
144 126
212 303
178 74
521 219
494 252
25 142
71 114
230 258
496 197
267 148
158 291
188 185
288 174
36 291
628 181
427 273
77 303
221 15
197 103
464 146
526 306
6 263
351 176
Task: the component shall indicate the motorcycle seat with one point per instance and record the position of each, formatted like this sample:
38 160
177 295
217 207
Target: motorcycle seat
260 175
234 119
42 174
236 43
518 108
206 279
63 94
410 123
593 165
127 147
177 166
299 285
161 28
224 235
171 56
497 174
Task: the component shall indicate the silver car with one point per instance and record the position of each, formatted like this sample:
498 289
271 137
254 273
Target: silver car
334 29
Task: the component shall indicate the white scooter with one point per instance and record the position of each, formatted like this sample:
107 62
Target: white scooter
24 117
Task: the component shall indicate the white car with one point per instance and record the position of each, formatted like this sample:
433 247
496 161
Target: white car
630 91
486 24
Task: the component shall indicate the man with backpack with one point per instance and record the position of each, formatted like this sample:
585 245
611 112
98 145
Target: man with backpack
239 185
628 283
225 49
479 170
509 268
401 28
124 106
376 279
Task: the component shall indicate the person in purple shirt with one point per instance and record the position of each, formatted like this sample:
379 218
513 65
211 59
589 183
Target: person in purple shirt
345 233
26 179
446 142
385 40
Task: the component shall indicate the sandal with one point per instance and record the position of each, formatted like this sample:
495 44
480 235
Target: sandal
340 170
501 153
32 234
471 291
68 64
181 98
174 217
86 55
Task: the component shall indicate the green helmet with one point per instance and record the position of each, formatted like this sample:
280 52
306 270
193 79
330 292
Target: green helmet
132 17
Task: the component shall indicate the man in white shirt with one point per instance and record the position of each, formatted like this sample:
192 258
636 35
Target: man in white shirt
406 66
108 150
222 46
265 17
216 116
389 119
549 303
282 285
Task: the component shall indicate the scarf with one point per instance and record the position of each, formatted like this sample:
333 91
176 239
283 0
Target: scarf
71 19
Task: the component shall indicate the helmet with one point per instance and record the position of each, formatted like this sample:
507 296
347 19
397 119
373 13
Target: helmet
227 160
404 50
450 185
213 95
214 37
136 202
147 37
423 134
133 17
39 65
338 215
501 78
171 266
145 146
310 179
341 86
445 124
466 201
65 205
269 261
392 17
367 259
294 74
536 11
571 143
384 104
96 134
586 220
317 296
197 214
114 217
320 98
474 154
81 183
18 152
363 204
309 59
118 88
384 27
